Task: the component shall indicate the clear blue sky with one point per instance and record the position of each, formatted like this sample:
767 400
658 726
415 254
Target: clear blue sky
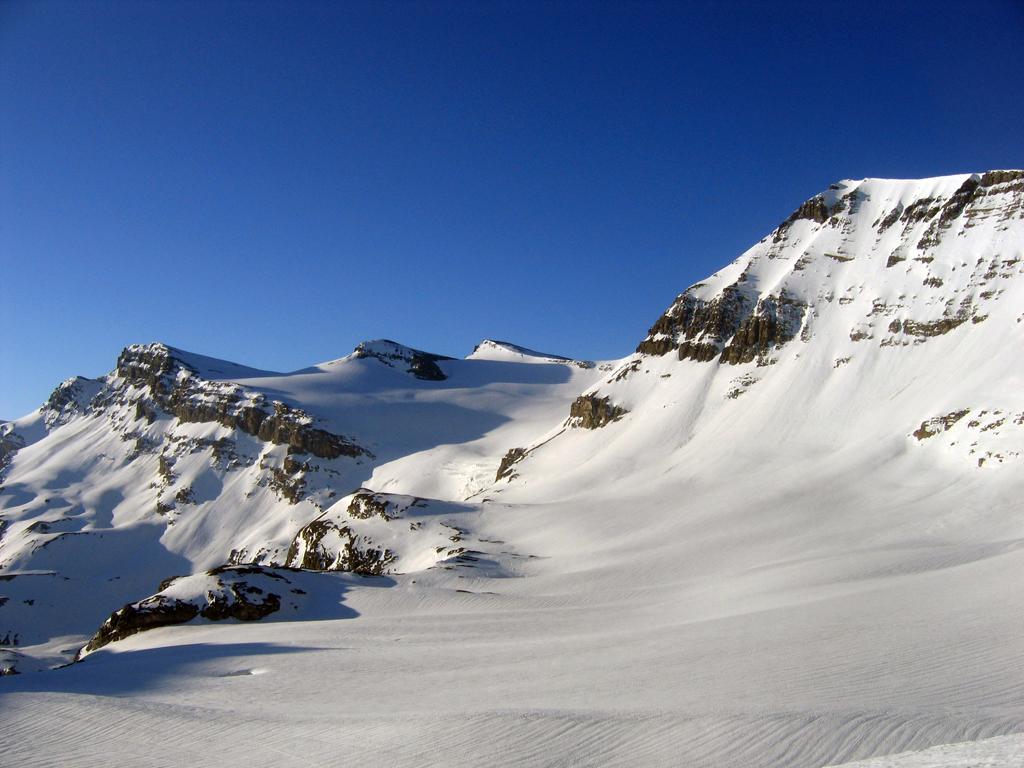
272 183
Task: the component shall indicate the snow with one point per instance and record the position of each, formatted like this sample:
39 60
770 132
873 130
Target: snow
757 565
987 753
506 351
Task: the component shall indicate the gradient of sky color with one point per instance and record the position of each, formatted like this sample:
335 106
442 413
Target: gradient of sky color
273 182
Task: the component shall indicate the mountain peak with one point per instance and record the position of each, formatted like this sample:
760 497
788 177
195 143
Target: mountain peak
894 260
159 358
505 351
422 365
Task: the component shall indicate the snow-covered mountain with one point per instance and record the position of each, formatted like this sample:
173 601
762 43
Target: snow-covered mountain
784 531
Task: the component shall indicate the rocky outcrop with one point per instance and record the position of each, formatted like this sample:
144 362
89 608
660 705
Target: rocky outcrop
593 412
967 205
10 443
814 209
422 365
366 504
928 328
73 395
153 612
508 461
228 592
996 178
775 321
326 545
176 388
733 327
934 426
698 328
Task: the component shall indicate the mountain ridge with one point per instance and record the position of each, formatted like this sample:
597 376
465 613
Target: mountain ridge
816 448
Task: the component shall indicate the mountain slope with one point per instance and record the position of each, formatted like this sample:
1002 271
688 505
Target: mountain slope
176 462
783 532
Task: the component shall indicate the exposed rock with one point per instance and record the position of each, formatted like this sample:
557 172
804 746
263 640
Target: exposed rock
938 424
71 397
178 389
163 469
10 443
992 178
509 460
963 197
889 219
422 365
698 328
657 347
366 504
734 326
950 211
920 210
324 545
592 412
287 486
776 320
153 612
249 604
933 327
227 592
185 496
14 663
814 209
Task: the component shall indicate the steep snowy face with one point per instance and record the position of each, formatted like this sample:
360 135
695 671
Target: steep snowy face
881 313
489 349
895 261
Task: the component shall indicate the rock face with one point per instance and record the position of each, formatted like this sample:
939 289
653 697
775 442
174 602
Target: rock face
374 533
324 545
366 504
508 461
422 365
177 388
592 412
228 592
335 542
735 327
934 426
150 613
10 443
71 397
828 252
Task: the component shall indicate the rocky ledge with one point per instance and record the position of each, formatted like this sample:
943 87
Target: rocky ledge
592 412
178 389
422 365
735 326
246 593
329 545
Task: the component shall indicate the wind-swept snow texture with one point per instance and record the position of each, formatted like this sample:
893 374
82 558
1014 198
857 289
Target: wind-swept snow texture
786 531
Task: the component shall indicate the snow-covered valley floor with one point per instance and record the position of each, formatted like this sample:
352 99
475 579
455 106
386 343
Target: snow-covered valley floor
795 662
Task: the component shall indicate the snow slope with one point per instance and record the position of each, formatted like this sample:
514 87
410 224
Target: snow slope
784 532
987 753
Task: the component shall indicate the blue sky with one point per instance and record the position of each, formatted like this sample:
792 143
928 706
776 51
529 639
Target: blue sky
273 183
